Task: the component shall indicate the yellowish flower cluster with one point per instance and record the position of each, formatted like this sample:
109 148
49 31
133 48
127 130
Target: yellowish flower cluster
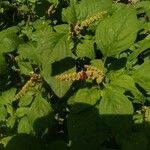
36 78
94 73
91 73
69 77
146 111
86 23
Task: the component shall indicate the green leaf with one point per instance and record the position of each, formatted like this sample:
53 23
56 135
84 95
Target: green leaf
7 97
22 111
6 140
3 65
86 49
69 14
24 126
63 28
98 63
140 47
40 24
26 99
11 121
84 9
41 42
87 8
51 52
39 108
86 96
116 110
24 66
3 113
127 83
10 109
114 102
143 5
115 34
141 75
9 39
58 61
9 42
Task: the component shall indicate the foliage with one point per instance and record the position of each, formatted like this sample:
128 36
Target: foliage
74 74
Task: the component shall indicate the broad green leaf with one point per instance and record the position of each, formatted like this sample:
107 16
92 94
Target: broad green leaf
10 109
86 49
116 110
39 108
9 39
115 34
3 65
63 28
42 36
114 102
84 98
40 116
24 66
6 140
141 75
26 99
51 51
140 47
127 83
3 113
98 63
9 42
11 121
58 61
87 8
40 43
30 52
84 9
145 5
117 6
40 24
24 125
27 31
69 14
7 97
22 111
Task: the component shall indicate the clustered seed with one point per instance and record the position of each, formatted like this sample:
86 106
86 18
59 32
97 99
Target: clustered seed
36 78
86 23
146 111
94 73
69 77
91 73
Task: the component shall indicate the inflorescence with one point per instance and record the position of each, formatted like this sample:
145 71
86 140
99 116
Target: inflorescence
36 78
86 23
91 73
